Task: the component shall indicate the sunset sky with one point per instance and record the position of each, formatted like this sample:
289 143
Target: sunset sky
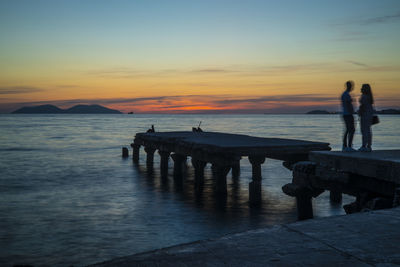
198 56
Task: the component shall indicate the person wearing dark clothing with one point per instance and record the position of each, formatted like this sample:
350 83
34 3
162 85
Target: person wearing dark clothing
347 112
366 112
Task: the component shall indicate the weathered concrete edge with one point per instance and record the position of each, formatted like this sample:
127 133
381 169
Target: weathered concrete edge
294 227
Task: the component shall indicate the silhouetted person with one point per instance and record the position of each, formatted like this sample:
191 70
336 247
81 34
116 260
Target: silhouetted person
348 111
198 129
366 112
151 130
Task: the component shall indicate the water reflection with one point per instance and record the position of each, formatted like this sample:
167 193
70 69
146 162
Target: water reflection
202 195
73 201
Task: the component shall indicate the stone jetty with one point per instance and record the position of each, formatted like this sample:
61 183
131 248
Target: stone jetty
373 178
224 151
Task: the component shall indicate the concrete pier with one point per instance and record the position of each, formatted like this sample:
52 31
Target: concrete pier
255 184
164 158
135 152
149 155
236 169
224 152
198 171
372 178
179 160
362 239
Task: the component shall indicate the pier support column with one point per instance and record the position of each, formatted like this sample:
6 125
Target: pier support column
304 206
149 155
178 159
220 178
125 152
198 171
396 197
214 169
255 184
236 169
335 196
135 153
164 157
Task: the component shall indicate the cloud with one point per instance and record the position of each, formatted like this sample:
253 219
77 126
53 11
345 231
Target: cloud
67 86
126 73
381 19
359 29
243 70
280 99
121 72
213 70
19 90
298 103
357 63
394 17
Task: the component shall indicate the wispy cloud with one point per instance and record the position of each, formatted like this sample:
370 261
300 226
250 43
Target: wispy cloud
214 70
370 68
366 21
238 71
357 63
214 103
243 70
360 29
117 72
381 19
126 73
67 86
280 99
19 90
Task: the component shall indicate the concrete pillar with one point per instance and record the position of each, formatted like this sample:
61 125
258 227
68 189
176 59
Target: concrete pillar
125 152
396 197
304 206
135 153
255 184
179 160
220 178
236 169
335 196
149 155
164 157
213 169
198 171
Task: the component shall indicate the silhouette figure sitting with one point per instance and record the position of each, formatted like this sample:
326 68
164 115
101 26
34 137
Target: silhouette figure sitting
198 129
151 130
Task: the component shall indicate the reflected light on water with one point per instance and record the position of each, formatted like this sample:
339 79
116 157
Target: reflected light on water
68 198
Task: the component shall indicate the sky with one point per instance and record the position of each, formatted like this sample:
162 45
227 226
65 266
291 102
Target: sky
209 56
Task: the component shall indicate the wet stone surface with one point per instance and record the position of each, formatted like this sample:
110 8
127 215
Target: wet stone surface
361 239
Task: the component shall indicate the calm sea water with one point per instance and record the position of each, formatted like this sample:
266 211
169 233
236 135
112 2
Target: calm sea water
68 198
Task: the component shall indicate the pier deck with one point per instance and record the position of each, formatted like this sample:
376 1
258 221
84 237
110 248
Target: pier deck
383 164
373 178
223 151
204 144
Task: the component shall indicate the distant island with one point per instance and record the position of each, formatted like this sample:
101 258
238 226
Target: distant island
78 109
383 112
317 111
388 111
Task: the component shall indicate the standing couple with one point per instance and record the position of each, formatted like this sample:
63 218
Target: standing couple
365 112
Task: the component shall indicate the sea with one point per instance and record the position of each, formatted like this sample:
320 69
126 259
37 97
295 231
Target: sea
67 197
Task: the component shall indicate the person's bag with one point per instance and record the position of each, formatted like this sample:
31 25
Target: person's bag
375 119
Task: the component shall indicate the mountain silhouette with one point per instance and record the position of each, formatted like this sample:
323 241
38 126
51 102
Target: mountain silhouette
43 109
78 109
92 109
317 111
